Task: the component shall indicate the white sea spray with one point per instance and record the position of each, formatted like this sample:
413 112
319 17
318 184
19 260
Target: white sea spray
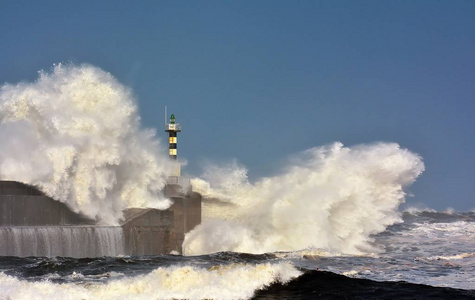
331 198
75 134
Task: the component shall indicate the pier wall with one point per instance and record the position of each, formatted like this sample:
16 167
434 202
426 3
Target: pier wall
33 224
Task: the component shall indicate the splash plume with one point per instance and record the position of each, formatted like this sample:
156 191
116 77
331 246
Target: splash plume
75 134
333 198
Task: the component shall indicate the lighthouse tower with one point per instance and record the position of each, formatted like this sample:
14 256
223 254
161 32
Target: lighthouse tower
172 128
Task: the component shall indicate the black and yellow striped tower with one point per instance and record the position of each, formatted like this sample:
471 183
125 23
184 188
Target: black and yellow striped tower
172 128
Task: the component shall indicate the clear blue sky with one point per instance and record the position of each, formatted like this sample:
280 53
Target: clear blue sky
260 81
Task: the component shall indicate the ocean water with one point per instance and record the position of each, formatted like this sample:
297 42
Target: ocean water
430 255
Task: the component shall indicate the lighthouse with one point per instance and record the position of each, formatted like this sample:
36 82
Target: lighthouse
173 128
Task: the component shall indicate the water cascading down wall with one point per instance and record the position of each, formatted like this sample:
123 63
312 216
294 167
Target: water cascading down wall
32 224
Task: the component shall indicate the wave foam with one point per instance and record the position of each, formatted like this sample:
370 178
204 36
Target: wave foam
332 198
452 257
416 210
236 281
447 230
75 134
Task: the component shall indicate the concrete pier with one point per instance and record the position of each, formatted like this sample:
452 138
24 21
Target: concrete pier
33 224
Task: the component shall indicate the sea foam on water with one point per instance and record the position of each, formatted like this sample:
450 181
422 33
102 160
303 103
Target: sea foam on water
235 281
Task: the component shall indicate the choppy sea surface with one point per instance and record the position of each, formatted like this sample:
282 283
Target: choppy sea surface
431 255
